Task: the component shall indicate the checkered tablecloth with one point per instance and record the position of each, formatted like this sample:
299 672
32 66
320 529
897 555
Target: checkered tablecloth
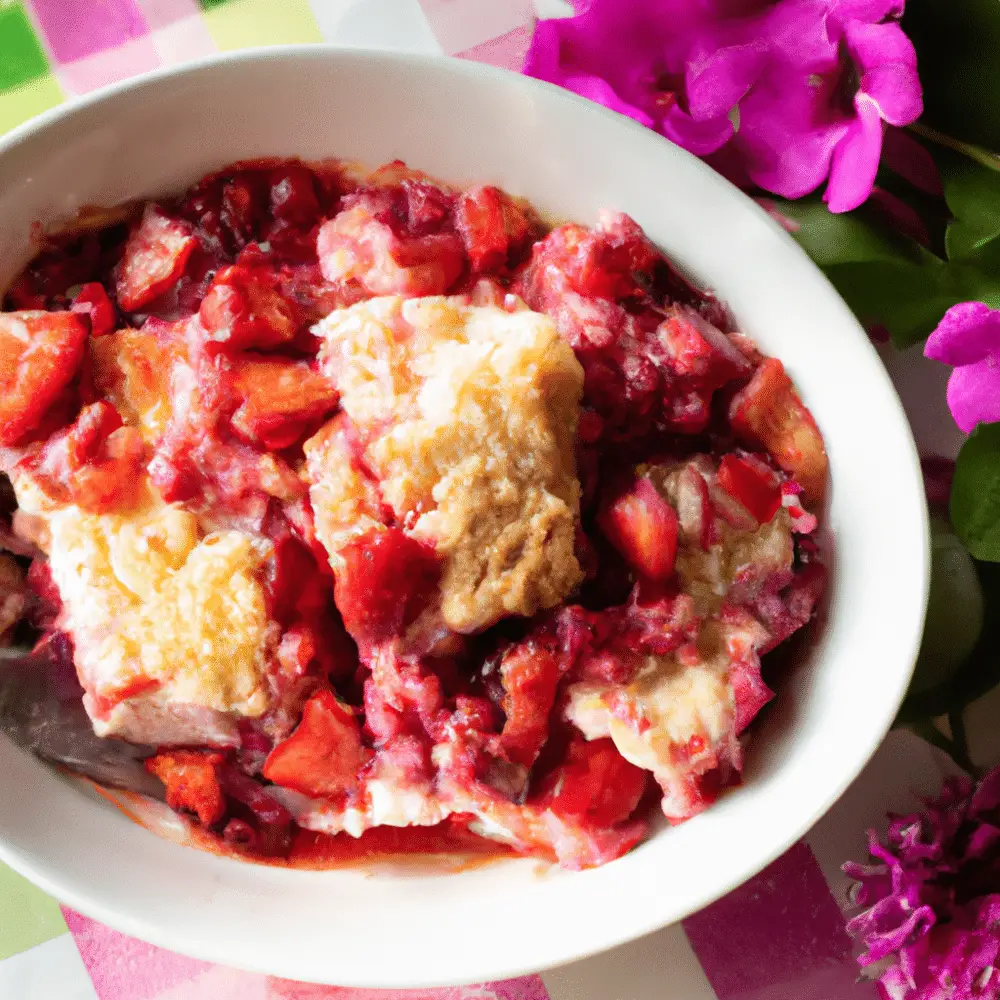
54 49
779 937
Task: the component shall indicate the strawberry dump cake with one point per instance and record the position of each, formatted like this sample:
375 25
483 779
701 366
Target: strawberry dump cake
361 501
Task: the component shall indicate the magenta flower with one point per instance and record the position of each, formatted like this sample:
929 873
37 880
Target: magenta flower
811 83
630 56
836 71
968 339
932 897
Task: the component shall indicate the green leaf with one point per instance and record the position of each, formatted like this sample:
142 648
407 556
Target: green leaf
887 278
910 298
847 238
975 493
883 276
957 45
954 610
973 195
980 672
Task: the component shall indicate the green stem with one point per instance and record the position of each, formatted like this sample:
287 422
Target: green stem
977 153
928 731
960 742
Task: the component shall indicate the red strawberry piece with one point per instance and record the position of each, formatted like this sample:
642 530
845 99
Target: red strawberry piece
192 782
490 225
643 527
427 206
155 256
385 582
92 300
293 195
479 218
594 784
280 399
322 756
244 308
750 693
95 463
698 350
770 412
753 484
40 353
530 675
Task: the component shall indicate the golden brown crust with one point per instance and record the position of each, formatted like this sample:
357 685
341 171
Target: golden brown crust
469 414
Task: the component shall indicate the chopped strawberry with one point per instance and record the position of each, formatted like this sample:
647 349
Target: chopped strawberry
598 263
594 784
293 195
530 675
155 256
242 206
296 651
785 613
490 224
244 308
479 218
643 527
132 370
428 206
770 412
753 484
750 693
40 353
322 757
698 350
92 300
192 782
95 463
280 399
695 513
357 246
385 582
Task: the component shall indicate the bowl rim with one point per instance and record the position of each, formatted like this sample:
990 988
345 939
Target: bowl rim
46 875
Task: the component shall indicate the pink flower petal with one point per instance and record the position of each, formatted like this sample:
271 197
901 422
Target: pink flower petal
908 158
896 91
716 81
596 89
699 137
872 45
974 393
628 45
787 134
871 11
967 333
681 66
542 58
855 160
799 32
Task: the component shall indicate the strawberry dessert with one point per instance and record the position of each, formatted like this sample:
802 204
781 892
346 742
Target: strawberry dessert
362 501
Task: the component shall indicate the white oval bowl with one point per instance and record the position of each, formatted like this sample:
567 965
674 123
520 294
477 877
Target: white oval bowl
464 122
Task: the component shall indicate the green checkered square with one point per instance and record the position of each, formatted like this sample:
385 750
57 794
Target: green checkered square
27 916
21 57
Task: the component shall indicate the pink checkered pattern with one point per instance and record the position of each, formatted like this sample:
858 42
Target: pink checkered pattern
93 44
124 968
464 26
